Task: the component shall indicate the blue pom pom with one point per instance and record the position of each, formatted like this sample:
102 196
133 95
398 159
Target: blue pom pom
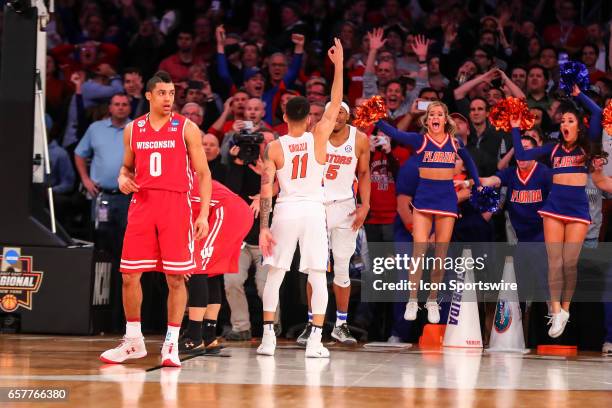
572 72
485 200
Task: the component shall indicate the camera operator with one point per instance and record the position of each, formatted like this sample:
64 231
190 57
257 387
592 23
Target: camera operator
254 111
244 178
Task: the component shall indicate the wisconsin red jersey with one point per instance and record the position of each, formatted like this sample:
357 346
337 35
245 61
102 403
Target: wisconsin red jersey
220 194
229 219
161 161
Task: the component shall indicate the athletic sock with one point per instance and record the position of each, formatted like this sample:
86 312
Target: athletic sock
315 334
132 329
268 327
341 318
209 331
194 330
172 334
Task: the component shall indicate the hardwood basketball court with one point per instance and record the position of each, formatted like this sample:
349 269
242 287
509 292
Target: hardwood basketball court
352 377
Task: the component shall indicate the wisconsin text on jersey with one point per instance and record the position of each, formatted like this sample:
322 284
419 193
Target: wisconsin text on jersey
159 144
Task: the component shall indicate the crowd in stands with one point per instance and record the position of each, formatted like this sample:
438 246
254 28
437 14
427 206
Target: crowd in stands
236 63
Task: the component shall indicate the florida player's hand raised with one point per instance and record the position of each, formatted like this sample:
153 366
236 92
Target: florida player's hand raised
336 53
127 185
266 242
201 227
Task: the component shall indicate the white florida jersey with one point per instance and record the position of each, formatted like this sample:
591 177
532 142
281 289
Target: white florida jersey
340 169
301 178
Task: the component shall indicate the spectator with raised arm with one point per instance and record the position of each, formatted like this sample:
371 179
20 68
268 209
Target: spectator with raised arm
177 64
281 76
85 56
98 90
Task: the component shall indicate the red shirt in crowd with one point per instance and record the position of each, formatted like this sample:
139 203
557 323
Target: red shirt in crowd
65 57
355 88
575 36
383 202
178 70
596 75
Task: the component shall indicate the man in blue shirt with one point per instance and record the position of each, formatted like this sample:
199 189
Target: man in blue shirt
103 144
61 179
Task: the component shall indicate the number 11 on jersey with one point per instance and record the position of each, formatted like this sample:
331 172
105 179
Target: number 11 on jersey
300 163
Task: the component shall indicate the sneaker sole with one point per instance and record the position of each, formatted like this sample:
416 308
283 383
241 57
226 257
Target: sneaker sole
169 363
194 350
302 343
316 356
107 361
265 353
557 334
348 342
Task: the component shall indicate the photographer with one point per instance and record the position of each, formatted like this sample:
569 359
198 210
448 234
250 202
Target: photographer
254 111
244 178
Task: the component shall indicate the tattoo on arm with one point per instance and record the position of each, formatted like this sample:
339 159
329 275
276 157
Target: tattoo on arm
265 178
265 207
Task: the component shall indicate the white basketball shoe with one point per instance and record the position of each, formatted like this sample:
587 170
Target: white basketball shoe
130 348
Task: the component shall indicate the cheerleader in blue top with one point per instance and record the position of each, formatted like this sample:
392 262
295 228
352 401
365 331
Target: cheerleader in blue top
565 212
435 196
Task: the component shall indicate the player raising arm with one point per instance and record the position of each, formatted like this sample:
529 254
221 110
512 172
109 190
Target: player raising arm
298 161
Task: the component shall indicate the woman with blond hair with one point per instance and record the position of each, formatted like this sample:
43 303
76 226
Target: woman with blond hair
435 198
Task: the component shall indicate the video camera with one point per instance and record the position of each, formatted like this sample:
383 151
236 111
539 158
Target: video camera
248 142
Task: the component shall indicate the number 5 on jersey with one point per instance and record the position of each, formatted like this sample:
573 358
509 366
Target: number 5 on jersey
155 164
300 164
332 171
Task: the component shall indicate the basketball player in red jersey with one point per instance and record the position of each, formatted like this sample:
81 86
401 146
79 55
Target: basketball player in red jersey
298 161
159 148
230 221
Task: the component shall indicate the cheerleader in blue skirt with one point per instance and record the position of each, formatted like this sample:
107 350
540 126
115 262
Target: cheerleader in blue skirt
435 196
565 212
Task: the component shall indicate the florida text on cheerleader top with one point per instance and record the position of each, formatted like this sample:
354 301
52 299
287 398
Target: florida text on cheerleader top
563 160
436 155
527 193
430 153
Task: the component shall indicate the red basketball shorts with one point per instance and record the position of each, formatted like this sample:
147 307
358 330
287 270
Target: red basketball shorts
228 225
159 234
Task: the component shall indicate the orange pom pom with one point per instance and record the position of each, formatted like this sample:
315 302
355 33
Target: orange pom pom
371 111
606 122
508 108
